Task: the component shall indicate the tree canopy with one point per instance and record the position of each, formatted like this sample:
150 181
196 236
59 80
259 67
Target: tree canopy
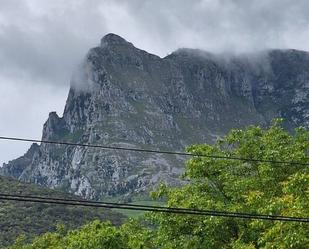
242 186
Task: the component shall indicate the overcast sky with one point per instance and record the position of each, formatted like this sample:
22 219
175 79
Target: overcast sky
42 41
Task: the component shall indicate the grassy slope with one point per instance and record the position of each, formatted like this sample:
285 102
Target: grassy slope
31 219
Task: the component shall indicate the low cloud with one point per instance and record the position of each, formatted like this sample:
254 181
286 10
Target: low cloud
46 39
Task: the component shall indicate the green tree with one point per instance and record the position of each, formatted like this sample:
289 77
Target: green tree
241 186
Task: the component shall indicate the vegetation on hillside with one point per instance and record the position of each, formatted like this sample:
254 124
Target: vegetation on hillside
218 184
32 219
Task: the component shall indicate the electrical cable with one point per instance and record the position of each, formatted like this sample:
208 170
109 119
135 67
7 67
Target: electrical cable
185 211
151 151
132 205
77 202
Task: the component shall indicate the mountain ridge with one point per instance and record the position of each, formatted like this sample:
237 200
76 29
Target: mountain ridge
121 95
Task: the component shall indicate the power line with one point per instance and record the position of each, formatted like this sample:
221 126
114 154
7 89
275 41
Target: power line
151 151
137 205
184 211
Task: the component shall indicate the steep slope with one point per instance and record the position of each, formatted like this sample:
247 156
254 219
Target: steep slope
125 96
31 219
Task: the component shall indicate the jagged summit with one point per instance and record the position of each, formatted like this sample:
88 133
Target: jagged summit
113 39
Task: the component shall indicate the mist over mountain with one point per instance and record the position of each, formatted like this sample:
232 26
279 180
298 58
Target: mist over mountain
123 96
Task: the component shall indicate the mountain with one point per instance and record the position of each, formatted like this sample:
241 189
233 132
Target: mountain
123 96
32 219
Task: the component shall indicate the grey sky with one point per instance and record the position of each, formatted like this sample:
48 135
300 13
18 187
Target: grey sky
41 41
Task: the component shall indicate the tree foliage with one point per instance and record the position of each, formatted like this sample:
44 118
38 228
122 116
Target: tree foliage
220 184
242 186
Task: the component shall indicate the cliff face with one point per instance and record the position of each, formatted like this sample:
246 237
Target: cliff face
125 96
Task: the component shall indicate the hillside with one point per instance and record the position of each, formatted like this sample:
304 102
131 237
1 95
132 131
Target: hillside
123 96
32 219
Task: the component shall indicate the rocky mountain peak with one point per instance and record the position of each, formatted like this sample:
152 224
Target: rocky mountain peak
53 126
113 39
